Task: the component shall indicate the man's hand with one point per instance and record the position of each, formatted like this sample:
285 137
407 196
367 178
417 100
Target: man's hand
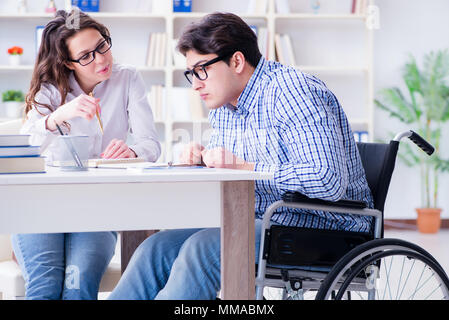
222 158
192 154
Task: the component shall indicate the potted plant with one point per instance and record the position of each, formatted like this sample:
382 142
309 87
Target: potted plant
13 101
425 107
14 55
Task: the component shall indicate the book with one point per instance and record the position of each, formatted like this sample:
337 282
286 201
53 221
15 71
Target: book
39 31
22 165
95 163
179 60
279 49
20 151
257 6
157 51
287 49
11 140
359 7
361 136
262 40
156 99
282 6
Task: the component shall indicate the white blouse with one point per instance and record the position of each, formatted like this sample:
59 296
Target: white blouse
124 109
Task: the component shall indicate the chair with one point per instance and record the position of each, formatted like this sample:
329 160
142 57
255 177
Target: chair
12 285
339 264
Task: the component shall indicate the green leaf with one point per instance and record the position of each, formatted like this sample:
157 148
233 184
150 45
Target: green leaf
393 101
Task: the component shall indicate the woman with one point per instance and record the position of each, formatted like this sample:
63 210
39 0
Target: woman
73 76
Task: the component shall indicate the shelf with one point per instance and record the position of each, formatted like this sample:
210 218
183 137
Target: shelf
24 67
320 16
113 15
336 69
198 15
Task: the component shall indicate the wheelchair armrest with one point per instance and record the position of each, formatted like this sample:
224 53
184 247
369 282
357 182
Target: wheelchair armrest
293 197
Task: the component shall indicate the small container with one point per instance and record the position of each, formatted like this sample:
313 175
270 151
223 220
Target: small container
73 153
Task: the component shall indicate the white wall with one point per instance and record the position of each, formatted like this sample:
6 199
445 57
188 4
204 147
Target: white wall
416 27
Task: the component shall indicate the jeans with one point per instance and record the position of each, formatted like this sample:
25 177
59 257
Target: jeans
63 265
175 264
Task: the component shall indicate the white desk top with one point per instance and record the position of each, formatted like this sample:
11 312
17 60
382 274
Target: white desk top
102 175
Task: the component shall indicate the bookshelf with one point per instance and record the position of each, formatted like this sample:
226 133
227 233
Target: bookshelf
349 76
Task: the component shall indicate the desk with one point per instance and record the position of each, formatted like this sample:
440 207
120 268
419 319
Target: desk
119 200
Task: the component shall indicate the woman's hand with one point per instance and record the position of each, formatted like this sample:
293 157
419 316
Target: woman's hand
83 106
117 149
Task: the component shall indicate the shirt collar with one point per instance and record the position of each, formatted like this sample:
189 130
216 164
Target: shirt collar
76 88
246 100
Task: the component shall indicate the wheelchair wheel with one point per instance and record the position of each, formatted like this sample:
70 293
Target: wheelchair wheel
386 269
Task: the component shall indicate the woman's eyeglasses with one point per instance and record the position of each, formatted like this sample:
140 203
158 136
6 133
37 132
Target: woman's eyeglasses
88 57
200 71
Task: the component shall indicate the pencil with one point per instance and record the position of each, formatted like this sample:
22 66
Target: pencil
98 117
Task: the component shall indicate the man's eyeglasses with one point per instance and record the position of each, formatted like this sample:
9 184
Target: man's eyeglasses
200 71
88 57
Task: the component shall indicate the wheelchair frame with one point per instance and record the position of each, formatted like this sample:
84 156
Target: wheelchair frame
314 279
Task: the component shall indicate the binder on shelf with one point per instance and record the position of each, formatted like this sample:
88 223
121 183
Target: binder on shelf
361 136
182 5
87 5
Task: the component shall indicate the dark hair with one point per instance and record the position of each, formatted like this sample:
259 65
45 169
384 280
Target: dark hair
223 34
50 66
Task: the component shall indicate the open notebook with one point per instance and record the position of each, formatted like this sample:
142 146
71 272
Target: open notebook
96 163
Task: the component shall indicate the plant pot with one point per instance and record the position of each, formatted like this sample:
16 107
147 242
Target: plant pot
429 220
14 59
13 109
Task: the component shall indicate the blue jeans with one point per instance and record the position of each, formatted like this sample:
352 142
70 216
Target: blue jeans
175 264
63 265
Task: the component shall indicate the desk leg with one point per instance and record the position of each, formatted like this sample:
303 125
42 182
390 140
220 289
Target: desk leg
237 240
130 240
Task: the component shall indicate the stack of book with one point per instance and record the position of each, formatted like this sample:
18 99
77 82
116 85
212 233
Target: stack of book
359 7
156 99
284 49
157 50
18 156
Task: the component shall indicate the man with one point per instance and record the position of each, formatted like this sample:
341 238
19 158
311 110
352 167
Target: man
265 117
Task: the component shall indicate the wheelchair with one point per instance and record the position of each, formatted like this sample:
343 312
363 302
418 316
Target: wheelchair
326 264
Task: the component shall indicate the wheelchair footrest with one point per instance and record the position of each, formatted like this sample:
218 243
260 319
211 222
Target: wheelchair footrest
293 246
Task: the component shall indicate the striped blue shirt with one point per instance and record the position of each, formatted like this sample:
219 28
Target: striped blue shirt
289 123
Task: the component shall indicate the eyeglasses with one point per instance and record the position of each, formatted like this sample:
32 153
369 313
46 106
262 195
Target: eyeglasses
88 57
200 71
